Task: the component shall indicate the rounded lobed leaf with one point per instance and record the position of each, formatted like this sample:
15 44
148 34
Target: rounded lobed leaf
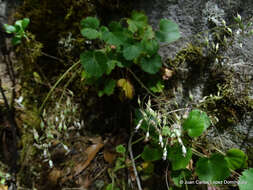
131 52
246 180
137 22
214 168
168 32
120 149
94 63
196 123
16 40
9 28
150 46
179 161
111 38
90 33
178 176
151 154
151 65
25 23
108 89
236 159
111 64
90 22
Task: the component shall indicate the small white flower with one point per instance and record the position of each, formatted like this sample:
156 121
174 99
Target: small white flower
161 140
229 30
217 47
239 17
51 165
184 150
164 153
79 125
224 22
45 153
20 100
138 125
147 136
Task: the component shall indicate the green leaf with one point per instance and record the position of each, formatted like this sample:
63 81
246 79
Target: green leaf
9 28
90 22
156 86
132 26
150 46
246 180
236 159
212 169
166 131
111 187
196 123
179 161
151 154
177 176
111 39
168 32
90 33
25 23
120 163
151 65
148 33
15 41
115 26
111 64
18 24
138 21
94 63
131 52
117 34
108 89
104 29
120 149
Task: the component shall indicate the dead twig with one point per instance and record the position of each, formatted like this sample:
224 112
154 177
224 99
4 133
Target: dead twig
132 161
166 177
10 110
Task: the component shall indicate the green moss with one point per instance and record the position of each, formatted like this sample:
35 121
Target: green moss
51 20
222 98
192 55
26 161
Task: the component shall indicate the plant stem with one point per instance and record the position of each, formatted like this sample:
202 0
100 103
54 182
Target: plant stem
138 140
55 85
141 83
132 160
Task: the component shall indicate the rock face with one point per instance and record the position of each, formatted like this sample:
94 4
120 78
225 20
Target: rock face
3 19
6 6
201 17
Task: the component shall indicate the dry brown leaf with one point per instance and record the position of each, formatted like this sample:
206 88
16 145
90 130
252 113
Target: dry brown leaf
109 156
54 175
127 87
91 152
190 165
84 182
167 74
3 187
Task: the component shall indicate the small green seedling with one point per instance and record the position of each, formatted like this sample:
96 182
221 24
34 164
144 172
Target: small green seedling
18 29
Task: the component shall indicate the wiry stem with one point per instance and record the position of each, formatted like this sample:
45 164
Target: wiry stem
133 163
